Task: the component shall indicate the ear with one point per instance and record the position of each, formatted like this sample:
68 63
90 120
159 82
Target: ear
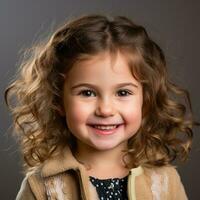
61 111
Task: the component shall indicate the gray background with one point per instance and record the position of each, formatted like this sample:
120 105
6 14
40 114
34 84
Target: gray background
173 24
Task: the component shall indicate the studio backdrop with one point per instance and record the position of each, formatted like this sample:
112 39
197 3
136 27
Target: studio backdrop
174 25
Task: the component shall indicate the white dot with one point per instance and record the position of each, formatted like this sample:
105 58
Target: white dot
101 183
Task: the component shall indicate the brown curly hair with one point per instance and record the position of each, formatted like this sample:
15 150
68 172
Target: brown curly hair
166 129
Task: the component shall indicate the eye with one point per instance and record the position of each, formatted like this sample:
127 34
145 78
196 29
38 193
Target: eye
87 93
124 93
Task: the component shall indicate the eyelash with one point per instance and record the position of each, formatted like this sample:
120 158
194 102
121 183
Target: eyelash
83 92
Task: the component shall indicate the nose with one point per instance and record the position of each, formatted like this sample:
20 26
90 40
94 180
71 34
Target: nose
105 108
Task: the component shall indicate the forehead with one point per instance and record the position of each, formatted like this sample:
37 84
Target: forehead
103 64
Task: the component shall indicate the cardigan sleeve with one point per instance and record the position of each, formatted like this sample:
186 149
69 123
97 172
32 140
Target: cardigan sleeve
177 191
25 192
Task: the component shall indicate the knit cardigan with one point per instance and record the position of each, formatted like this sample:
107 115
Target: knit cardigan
64 178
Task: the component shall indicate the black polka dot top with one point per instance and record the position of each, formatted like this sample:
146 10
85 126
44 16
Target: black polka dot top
111 189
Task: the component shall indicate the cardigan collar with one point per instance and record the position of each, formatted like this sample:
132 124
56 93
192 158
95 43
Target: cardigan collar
66 161
61 163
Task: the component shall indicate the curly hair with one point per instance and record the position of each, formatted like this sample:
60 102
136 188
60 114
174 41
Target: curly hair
166 130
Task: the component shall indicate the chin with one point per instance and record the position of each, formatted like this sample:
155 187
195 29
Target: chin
105 147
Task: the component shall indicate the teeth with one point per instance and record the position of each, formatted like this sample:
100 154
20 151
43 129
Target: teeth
105 127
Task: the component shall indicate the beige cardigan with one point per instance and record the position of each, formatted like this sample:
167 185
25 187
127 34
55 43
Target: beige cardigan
63 178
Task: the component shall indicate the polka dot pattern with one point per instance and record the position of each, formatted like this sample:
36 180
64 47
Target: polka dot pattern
111 189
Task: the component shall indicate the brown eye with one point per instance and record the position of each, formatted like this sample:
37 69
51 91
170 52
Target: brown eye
124 93
87 93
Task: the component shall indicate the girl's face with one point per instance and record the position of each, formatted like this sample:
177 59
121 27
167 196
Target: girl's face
103 102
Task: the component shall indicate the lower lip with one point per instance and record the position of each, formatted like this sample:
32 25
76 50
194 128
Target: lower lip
106 132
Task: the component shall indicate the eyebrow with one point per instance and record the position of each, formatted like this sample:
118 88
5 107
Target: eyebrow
94 86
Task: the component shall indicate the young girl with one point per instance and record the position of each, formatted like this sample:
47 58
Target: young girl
97 116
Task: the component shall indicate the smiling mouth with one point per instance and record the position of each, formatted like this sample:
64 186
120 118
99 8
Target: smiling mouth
105 129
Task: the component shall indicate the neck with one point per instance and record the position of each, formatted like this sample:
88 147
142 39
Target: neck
103 163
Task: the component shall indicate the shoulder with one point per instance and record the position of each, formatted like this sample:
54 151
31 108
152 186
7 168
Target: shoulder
31 187
167 180
169 171
25 191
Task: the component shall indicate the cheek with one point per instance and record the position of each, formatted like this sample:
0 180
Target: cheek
77 112
133 114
